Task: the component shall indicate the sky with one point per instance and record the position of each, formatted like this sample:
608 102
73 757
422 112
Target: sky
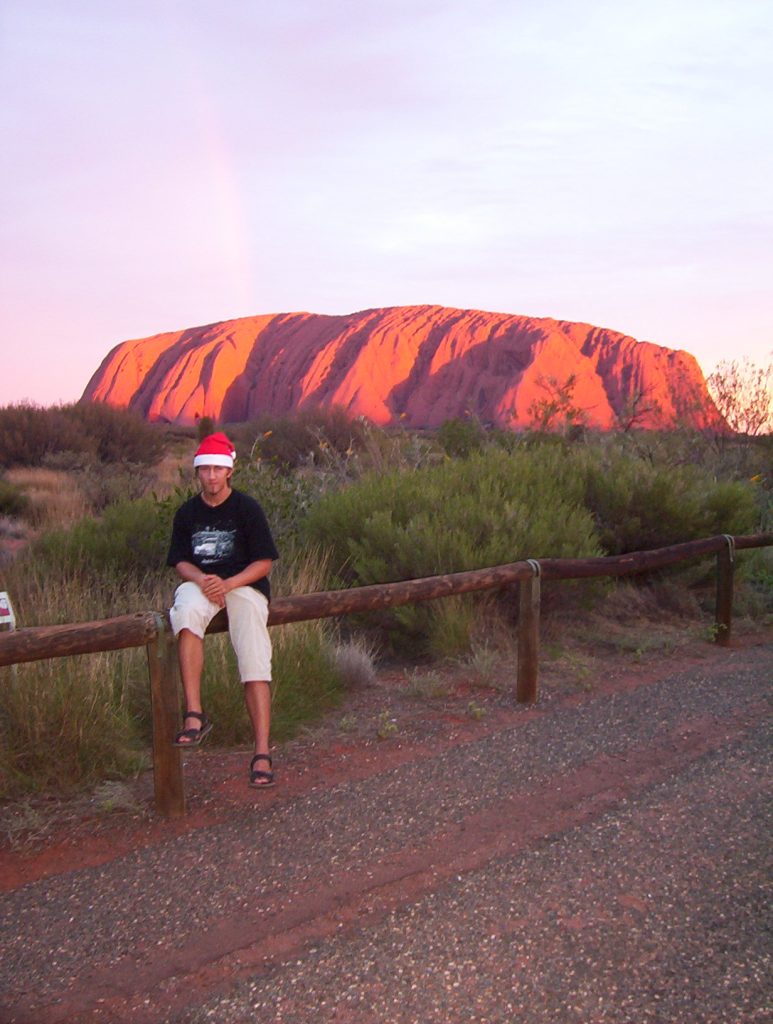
171 163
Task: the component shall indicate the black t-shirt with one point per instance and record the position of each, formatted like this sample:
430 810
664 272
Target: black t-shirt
223 540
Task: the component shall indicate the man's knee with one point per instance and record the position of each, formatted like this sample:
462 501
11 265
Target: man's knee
191 610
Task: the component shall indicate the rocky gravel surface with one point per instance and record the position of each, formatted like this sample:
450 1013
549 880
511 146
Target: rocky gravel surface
603 859
655 912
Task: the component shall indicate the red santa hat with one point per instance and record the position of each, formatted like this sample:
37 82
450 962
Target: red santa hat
215 450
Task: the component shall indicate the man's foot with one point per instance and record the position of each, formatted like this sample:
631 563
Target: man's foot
261 779
194 734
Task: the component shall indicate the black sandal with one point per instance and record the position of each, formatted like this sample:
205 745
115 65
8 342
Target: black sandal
260 779
192 737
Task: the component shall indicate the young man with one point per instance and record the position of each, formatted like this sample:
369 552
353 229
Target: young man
223 551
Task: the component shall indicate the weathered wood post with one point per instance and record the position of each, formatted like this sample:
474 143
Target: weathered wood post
725 577
528 636
169 785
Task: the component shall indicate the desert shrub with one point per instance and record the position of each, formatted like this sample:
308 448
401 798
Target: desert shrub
729 507
290 441
460 438
130 538
486 510
105 483
55 497
28 433
118 435
89 431
489 509
13 501
285 497
638 505
507 440
205 426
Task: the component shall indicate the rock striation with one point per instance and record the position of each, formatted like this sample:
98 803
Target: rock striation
416 365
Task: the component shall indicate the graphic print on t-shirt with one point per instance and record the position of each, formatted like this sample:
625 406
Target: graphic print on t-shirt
213 545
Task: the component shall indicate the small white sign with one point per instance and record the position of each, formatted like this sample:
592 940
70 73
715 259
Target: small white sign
7 617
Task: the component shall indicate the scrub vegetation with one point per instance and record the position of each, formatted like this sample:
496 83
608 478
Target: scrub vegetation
349 505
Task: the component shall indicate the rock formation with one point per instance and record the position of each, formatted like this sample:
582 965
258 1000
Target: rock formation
417 365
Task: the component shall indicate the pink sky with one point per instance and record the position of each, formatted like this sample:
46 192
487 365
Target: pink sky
173 163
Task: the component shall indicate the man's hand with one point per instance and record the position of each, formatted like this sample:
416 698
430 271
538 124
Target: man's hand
214 588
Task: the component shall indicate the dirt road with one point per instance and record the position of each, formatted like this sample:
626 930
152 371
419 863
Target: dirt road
600 858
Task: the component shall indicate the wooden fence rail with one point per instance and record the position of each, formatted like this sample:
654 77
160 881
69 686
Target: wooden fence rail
152 631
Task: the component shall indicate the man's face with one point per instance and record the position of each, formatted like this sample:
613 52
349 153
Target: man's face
215 482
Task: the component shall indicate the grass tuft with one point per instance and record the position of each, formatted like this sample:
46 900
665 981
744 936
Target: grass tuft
355 664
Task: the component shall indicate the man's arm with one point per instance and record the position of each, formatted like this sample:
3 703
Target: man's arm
189 572
251 574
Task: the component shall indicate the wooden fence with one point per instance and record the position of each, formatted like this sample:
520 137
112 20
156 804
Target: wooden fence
152 630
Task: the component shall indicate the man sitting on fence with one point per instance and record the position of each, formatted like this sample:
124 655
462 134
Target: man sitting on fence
223 550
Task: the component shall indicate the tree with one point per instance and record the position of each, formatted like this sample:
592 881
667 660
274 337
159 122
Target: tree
743 394
556 411
205 426
639 409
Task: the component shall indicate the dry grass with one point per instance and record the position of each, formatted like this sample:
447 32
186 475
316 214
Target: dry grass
66 723
173 469
62 496
56 495
355 662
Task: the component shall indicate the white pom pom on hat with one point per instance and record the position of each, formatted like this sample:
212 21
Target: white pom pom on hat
215 450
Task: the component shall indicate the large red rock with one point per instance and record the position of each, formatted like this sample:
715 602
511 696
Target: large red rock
419 365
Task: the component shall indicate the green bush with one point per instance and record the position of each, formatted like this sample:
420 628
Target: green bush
638 505
460 438
131 538
489 509
284 497
486 510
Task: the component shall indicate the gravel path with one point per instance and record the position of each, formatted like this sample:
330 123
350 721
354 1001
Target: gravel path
603 862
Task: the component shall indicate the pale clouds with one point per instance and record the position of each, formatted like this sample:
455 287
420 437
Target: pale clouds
176 163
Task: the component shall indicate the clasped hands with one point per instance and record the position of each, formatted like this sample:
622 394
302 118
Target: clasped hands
214 589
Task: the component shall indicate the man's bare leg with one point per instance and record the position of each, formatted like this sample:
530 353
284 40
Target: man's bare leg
257 697
190 654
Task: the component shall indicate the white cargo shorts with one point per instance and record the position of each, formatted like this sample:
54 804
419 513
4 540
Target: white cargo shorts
247 625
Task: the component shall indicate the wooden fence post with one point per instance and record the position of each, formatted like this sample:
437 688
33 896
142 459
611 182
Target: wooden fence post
528 636
163 670
725 575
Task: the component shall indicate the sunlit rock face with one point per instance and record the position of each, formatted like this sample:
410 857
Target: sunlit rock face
416 365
